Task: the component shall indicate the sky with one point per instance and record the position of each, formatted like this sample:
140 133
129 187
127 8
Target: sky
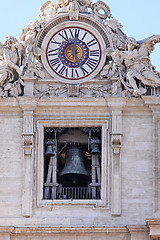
140 19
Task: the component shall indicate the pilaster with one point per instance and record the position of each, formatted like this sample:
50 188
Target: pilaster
29 82
156 164
28 108
116 140
138 232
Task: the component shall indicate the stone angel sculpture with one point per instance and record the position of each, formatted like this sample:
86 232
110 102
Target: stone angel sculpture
11 56
137 62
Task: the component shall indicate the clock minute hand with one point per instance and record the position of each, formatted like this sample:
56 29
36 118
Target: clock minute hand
74 54
74 46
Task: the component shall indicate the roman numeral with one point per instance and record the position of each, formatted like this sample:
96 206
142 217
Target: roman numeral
91 63
63 34
63 70
92 42
53 41
52 52
57 66
84 36
54 62
74 73
77 32
71 32
94 53
84 71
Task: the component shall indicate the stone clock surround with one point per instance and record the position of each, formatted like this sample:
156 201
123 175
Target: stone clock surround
83 22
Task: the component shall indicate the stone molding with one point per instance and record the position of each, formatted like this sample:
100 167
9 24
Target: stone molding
46 230
116 139
28 146
127 233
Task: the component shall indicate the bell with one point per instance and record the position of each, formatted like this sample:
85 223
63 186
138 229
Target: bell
74 172
95 146
49 151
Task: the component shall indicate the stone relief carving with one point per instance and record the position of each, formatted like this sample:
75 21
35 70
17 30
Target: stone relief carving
19 58
101 10
128 70
49 9
65 90
118 37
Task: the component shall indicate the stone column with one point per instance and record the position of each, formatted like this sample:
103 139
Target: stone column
28 143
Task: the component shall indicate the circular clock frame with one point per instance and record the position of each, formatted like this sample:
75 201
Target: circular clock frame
84 70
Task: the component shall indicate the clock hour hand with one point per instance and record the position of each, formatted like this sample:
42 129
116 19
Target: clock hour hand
80 65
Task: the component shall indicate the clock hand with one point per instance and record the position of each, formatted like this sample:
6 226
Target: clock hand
80 65
74 54
74 46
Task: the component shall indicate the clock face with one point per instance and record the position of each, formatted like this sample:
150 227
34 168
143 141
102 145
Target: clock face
72 54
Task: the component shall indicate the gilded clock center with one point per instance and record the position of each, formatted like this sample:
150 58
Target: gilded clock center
71 57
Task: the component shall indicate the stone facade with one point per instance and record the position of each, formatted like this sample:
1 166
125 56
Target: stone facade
119 98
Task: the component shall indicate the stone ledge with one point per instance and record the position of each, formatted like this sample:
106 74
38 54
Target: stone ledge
49 230
135 228
6 230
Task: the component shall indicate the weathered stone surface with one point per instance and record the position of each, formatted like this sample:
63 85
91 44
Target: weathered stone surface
108 95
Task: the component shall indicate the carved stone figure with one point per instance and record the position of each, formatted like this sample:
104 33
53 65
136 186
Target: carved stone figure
107 71
11 57
27 38
138 64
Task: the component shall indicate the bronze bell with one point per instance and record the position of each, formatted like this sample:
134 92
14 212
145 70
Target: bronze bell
74 172
49 151
95 146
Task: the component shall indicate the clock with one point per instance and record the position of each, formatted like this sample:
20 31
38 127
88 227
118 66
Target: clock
73 52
